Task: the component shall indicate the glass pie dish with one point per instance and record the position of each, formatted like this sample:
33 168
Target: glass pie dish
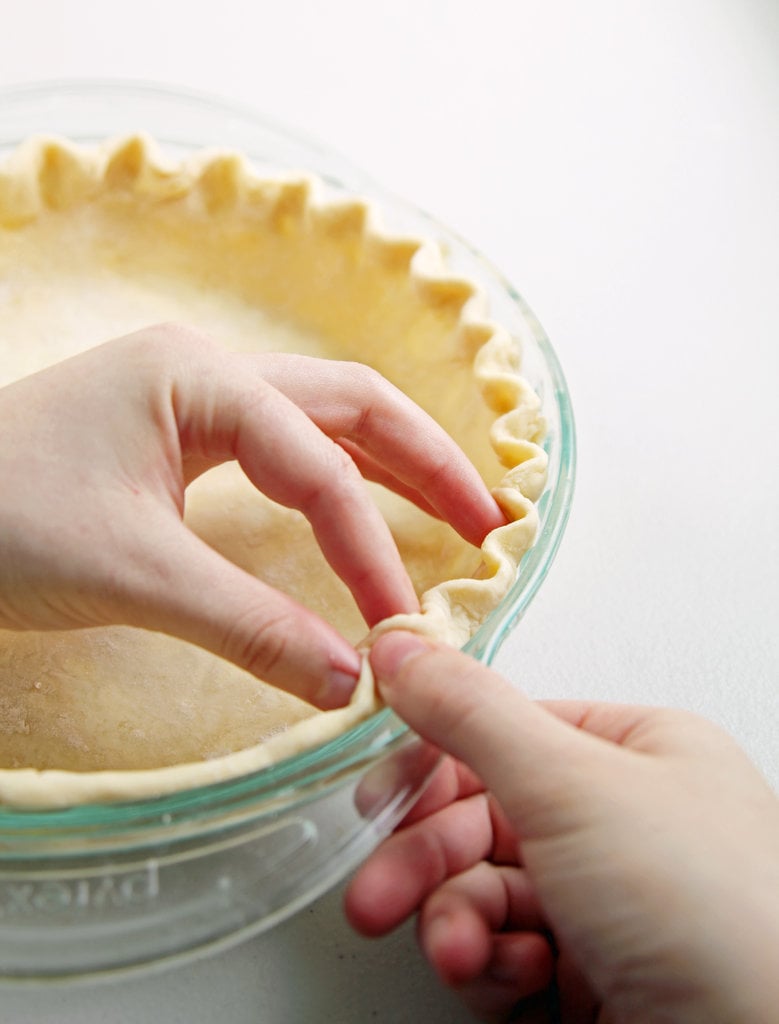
105 887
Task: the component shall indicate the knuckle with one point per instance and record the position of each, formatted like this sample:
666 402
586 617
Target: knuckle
376 394
336 475
438 472
260 643
169 343
366 376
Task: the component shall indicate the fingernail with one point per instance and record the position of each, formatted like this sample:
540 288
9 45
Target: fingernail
337 689
391 651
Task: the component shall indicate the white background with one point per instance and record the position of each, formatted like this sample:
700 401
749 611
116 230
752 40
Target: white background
619 161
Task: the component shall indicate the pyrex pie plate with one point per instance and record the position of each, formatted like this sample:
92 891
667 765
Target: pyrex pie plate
101 888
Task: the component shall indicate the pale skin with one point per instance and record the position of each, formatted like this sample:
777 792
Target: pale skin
624 859
577 862
98 450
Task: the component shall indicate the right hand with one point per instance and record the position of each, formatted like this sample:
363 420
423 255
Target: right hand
624 860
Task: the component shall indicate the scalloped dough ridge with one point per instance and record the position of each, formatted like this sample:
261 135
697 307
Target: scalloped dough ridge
95 242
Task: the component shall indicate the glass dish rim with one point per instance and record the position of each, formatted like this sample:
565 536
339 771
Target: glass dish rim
383 729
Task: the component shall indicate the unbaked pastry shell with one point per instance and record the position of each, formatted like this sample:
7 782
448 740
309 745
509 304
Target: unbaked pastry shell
97 242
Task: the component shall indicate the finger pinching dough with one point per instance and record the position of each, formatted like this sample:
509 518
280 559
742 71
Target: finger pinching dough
98 242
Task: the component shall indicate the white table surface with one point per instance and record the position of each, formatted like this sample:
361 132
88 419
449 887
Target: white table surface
619 160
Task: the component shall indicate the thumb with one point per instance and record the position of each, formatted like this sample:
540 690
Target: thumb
527 757
183 587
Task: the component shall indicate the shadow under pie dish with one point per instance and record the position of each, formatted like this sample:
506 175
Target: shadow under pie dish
222 815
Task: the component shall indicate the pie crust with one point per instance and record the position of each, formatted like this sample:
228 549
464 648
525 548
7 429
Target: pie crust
96 242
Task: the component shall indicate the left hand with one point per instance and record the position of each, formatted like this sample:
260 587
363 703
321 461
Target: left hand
98 450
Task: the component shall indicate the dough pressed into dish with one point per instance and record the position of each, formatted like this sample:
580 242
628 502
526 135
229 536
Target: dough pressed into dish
97 242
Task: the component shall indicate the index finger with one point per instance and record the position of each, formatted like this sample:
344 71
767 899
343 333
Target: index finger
231 414
353 402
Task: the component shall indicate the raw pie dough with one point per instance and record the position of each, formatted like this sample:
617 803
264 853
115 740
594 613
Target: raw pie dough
95 243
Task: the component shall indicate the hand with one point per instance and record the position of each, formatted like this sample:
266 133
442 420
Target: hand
621 863
97 453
